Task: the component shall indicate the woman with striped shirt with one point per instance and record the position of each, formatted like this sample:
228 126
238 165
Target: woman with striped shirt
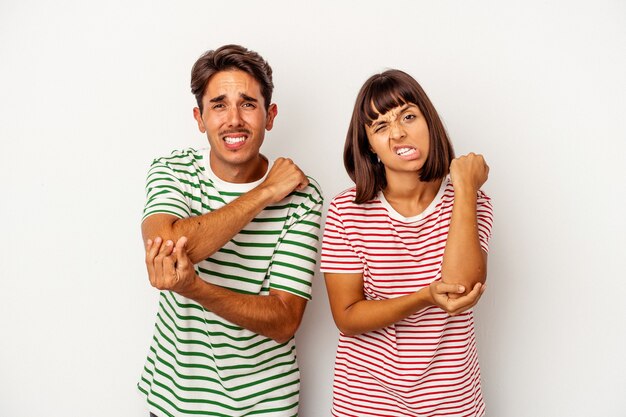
405 259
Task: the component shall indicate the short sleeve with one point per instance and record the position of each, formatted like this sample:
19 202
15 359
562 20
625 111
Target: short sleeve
338 255
296 255
164 192
484 216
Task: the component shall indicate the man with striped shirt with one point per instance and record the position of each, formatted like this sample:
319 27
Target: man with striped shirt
231 241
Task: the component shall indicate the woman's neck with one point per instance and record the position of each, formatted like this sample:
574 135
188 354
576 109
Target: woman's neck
408 195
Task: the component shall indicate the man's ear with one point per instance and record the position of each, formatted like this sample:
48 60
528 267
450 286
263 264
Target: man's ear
272 111
198 116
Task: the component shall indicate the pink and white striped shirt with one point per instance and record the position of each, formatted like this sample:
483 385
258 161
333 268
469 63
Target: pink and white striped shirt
425 365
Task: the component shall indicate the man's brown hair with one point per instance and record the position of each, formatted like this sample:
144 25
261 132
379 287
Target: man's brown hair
226 58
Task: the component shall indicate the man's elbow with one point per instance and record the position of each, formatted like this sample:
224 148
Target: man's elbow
163 229
169 230
284 333
289 310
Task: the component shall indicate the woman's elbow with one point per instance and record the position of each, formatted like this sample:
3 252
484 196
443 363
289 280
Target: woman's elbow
346 329
466 278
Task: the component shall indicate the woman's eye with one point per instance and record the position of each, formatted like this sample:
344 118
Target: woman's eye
409 117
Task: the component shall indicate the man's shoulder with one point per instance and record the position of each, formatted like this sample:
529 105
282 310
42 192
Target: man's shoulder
307 201
188 164
313 191
180 156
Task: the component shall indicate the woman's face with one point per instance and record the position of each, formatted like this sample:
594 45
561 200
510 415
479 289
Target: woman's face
400 139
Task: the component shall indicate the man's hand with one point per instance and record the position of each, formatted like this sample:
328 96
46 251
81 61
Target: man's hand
284 178
169 267
469 171
441 295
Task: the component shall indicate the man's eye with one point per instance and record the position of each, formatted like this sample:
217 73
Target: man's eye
248 105
218 106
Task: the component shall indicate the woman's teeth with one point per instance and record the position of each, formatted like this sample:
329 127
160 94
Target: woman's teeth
405 151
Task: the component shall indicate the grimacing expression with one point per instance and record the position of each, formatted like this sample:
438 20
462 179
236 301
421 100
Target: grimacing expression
400 138
235 120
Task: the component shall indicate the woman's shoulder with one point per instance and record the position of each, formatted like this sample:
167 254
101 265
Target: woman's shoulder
344 203
346 199
345 196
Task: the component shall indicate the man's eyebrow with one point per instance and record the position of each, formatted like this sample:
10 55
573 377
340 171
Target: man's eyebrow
242 95
218 99
247 97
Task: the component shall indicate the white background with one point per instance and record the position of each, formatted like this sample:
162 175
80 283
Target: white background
91 92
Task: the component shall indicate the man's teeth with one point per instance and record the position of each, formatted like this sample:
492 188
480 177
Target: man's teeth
232 141
405 151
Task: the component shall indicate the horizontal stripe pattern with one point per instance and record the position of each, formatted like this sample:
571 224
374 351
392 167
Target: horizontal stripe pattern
199 363
425 365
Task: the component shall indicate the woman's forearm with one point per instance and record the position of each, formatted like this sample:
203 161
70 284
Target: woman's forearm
464 261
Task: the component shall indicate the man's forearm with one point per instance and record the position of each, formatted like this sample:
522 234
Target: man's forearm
209 232
276 315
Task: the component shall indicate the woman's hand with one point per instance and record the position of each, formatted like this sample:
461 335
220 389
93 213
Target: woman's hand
440 294
469 171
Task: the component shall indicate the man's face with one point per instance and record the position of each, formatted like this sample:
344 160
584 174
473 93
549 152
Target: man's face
235 120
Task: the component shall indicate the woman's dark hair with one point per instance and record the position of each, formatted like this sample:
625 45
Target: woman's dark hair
381 93
231 57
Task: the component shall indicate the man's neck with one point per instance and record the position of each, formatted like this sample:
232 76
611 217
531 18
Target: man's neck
240 174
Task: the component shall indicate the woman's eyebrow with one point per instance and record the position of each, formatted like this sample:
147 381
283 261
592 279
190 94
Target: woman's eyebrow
379 122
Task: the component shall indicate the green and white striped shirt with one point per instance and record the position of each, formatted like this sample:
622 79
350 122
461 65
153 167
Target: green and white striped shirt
199 363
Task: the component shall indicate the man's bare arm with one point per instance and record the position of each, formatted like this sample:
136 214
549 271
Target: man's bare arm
209 232
276 315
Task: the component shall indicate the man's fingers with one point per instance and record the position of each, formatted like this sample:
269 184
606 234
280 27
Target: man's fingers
181 244
180 250
166 249
152 248
303 183
170 278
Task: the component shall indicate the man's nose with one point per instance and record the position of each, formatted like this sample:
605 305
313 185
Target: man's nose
234 117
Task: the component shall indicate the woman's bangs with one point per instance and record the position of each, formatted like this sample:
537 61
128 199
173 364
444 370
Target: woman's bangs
382 98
